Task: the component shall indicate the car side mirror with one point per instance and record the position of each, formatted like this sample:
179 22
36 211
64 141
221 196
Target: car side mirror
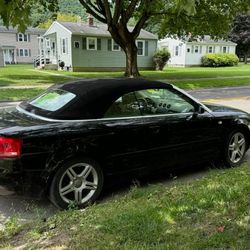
201 110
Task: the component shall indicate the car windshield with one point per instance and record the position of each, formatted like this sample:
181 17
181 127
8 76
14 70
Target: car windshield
53 100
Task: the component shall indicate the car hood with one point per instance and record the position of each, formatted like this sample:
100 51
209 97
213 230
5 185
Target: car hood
222 108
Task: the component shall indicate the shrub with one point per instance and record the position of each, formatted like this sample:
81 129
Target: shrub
160 58
219 60
61 64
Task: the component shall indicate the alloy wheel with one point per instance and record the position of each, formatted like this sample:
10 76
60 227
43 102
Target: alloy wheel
78 183
237 147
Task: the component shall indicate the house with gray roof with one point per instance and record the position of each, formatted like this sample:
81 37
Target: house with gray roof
90 47
188 52
19 47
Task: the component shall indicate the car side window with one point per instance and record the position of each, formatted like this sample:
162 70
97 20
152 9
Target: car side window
125 106
162 101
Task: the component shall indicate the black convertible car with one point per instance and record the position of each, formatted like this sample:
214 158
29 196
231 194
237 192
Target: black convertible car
72 137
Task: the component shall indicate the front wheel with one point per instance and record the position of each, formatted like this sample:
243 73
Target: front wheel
235 149
78 182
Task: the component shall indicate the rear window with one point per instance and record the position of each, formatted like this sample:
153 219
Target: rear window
53 100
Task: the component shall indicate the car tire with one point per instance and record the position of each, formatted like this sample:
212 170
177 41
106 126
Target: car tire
77 183
236 146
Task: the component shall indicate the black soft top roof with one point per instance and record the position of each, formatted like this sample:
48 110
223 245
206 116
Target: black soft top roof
94 96
110 85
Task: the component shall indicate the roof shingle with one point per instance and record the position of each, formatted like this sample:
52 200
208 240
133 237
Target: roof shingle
99 30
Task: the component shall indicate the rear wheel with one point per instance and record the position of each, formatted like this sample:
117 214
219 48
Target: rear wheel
78 182
235 149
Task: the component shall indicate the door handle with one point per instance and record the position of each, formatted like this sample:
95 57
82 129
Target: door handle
189 117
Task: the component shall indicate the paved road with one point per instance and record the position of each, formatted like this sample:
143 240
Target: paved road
11 204
221 93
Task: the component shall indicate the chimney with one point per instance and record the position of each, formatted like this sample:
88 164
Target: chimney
79 20
90 20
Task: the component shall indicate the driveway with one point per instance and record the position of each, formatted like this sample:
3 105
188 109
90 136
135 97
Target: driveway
25 208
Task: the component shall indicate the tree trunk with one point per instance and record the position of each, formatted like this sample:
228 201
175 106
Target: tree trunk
127 42
131 60
245 58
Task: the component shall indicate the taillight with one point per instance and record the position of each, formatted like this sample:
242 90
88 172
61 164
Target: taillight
10 147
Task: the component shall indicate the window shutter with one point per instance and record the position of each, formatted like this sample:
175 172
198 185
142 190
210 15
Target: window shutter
17 37
146 48
84 43
109 44
29 37
207 50
192 49
99 44
200 49
214 49
29 52
17 52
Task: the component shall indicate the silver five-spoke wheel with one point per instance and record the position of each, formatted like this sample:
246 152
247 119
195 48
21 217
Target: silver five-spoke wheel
79 181
237 147
78 184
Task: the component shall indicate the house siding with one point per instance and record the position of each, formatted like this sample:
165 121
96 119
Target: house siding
9 40
105 59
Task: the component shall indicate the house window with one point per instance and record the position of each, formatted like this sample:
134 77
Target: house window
47 43
224 49
64 46
25 38
22 37
140 48
196 49
210 49
76 44
176 51
23 52
188 50
91 43
115 46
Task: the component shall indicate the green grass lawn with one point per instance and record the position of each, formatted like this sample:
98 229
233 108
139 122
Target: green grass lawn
209 213
14 75
19 94
186 78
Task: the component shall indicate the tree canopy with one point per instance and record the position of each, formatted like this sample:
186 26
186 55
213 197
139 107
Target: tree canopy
240 34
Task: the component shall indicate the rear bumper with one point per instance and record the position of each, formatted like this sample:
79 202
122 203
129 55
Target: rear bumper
8 166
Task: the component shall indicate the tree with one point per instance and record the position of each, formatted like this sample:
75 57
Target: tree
172 17
240 34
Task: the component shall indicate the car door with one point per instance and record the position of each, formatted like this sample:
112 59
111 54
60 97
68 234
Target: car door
176 131
124 133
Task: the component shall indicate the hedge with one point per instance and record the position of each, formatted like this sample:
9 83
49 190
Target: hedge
219 60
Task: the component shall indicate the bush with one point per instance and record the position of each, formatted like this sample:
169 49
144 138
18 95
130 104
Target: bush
219 60
62 64
160 58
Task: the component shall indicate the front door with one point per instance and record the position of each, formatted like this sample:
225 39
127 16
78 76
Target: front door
175 132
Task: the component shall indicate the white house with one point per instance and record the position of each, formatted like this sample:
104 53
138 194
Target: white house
186 53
